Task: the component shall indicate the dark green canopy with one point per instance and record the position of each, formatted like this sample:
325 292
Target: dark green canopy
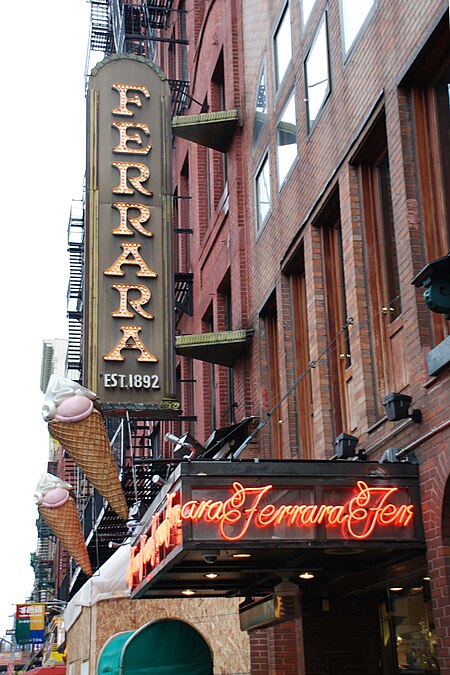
162 647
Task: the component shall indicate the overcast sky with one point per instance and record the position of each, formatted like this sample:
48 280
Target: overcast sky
43 154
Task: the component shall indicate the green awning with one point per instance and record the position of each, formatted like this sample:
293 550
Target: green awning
161 647
214 129
222 348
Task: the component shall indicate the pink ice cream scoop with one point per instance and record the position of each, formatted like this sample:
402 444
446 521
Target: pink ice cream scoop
74 409
55 497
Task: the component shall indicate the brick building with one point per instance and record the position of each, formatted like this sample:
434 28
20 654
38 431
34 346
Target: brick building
311 210
309 232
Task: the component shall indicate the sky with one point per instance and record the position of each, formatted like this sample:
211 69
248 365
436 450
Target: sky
42 117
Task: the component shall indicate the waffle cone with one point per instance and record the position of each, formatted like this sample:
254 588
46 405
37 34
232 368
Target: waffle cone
64 522
88 445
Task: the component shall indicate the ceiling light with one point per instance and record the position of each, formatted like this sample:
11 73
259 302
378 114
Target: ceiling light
188 591
211 575
426 578
396 589
306 575
241 555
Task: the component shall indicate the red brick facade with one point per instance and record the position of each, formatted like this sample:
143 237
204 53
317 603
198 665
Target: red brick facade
375 122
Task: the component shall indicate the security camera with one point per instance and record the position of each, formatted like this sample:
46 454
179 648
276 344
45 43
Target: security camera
210 558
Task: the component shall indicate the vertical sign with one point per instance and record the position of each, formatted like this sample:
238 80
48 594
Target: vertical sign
30 620
129 343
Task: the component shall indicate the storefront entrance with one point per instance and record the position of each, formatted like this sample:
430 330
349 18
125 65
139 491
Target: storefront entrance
388 632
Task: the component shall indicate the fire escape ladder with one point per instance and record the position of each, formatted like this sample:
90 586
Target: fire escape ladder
75 289
101 30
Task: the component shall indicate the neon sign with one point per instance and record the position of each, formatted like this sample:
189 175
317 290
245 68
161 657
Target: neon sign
363 514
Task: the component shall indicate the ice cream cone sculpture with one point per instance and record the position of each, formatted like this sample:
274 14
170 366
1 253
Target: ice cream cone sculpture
59 511
79 427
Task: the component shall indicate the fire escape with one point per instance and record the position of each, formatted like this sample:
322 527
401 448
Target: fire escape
138 28
75 239
133 27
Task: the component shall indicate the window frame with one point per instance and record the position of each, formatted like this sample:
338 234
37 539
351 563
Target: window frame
312 124
265 160
290 97
257 138
286 11
346 51
304 21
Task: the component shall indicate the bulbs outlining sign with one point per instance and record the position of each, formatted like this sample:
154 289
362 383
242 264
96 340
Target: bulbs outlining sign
129 341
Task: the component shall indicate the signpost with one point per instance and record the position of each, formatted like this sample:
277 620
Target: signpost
30 620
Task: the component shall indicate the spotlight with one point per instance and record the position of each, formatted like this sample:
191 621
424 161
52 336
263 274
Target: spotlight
345 446
389 455
187 447
396 407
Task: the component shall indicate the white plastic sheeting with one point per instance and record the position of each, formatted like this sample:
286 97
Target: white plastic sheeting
107 583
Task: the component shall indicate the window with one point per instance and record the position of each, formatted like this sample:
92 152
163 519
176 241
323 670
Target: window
430 99
225 321
304 406
317 74
282 47
263 193
306 8
415 636
209 377
217 161
260 108
272 375
338 339
380 250
353 17
181 221
286 140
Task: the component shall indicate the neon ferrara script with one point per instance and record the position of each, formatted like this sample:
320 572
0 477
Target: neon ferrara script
367 509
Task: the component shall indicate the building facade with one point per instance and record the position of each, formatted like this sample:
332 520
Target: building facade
310 169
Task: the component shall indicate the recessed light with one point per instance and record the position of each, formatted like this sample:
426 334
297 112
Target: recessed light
188 591
306 575
211 575
241 555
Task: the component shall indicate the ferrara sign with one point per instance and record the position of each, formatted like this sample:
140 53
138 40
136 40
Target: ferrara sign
129 343
270 514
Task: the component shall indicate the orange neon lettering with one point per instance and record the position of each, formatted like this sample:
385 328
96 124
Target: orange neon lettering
367 509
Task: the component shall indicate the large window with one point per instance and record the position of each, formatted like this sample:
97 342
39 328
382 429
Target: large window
272 375
430 97
339 355
286 140
263 192
304 407
282 47
353 18
382 269
317 73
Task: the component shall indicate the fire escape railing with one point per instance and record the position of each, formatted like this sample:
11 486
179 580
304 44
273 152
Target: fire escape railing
75 239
